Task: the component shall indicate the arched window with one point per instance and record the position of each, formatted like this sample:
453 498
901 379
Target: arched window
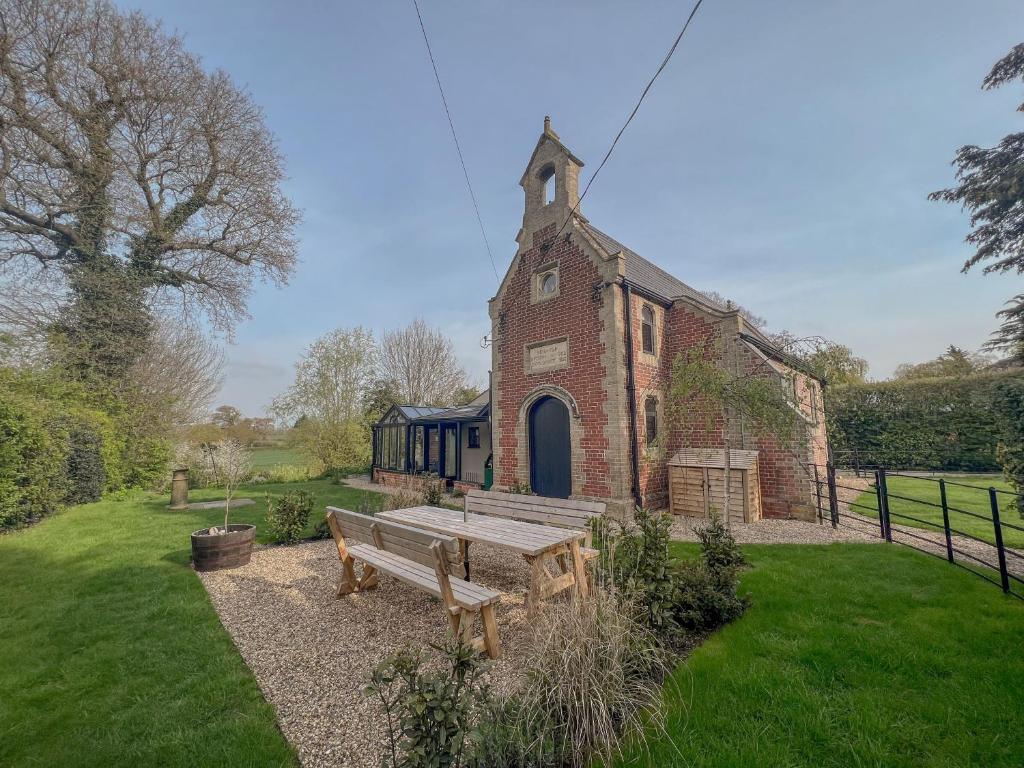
651 419
548 177
647 329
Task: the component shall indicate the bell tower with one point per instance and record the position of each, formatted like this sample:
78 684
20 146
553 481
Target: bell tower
550 182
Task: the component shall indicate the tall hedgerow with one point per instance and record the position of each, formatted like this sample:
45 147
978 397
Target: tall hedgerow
936 424
59 446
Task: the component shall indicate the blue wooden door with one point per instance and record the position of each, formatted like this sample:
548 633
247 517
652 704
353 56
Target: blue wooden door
550 451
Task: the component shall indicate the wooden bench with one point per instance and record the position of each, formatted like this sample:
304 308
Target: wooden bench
421 559
560 513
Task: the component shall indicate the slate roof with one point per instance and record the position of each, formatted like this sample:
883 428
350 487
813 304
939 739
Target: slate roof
413 412
471 412
643 274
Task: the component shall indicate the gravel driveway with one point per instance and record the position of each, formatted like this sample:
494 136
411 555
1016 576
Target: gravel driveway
312 654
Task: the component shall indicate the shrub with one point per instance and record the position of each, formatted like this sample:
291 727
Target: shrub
718 547
430 715
84 468
1009 408
372 503
591 674
671 599
288 516
635 562
321 530
521 488
32 480
705 591
283 473
388 501
146 460
704 599
936 424
433 495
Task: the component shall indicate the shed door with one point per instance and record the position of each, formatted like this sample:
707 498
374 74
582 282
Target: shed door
550 451
688 491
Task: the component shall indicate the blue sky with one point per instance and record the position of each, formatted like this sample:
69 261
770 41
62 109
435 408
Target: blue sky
782 159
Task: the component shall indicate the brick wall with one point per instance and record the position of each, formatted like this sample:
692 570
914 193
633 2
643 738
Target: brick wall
418 483
574 314
465 486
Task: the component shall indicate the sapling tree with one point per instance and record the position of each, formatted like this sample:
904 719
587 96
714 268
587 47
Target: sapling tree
229 463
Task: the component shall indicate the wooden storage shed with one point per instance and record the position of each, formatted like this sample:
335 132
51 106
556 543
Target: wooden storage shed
696 484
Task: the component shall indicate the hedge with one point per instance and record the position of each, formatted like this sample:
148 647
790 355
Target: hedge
58 448
948 424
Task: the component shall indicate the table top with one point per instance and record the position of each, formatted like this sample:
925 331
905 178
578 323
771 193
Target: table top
525 538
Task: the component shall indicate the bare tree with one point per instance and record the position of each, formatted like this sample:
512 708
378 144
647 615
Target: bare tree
180 371
136 174
755 320
420 361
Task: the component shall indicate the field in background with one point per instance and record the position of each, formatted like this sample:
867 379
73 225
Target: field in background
276 456
924 505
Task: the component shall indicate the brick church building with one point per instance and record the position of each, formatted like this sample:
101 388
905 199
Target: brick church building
585 332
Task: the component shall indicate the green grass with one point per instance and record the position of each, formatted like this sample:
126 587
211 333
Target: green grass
274 456
925 493
324 492
852 655
111 652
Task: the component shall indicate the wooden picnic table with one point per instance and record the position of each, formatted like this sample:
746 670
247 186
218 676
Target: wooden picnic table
540 545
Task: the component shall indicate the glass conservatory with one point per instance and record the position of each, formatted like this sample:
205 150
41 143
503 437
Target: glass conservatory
452 443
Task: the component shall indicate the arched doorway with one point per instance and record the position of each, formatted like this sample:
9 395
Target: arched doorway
550 450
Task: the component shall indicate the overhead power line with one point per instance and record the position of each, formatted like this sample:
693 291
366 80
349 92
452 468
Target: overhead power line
455 137
632 114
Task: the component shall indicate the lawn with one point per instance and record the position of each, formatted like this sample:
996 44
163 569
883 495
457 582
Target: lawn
853 655
925 494
113 655
850 655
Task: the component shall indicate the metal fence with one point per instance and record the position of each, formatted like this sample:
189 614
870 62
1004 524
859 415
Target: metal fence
861 500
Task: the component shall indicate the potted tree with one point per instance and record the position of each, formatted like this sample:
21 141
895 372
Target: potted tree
228 546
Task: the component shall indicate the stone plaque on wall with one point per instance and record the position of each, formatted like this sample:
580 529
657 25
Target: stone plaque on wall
549 356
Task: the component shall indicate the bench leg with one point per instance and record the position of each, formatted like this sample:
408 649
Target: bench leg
468 620
491 642
370 580
537 578
348 583
582 582
454 619
563 563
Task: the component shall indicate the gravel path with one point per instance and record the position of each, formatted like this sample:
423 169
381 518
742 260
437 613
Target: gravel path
775 532
312 654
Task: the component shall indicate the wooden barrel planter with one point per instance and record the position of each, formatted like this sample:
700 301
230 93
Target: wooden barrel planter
228 550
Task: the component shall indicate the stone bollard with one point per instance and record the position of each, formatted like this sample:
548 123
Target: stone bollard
179 489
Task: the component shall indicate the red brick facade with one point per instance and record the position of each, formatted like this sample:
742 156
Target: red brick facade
570 343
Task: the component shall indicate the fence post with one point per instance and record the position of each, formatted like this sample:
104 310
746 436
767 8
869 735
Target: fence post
881 505
884 491
817 492
1004 576
945 520
833 496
